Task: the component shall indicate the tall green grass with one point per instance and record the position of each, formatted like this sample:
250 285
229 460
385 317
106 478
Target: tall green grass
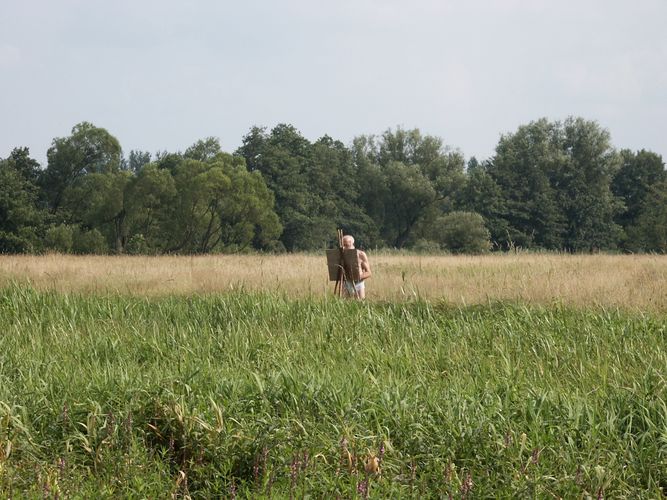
259 395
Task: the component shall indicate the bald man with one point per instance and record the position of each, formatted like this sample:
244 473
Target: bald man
351 288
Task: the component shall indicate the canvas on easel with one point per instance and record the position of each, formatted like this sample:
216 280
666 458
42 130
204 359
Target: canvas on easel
348 258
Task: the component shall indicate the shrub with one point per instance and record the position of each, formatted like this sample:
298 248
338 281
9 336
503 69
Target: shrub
59 238
89 242
137 245
426 246
463 232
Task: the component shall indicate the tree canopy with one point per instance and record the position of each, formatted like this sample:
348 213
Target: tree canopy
556 185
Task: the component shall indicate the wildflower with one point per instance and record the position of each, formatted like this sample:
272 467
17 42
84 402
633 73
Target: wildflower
466 486
362 488
294 470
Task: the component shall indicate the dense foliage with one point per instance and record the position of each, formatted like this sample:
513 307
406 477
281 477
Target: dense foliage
549 185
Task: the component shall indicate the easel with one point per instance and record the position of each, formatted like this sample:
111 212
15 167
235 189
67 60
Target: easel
340 270
343 266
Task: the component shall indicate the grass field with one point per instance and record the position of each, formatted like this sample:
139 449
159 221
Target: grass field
154 389
630 282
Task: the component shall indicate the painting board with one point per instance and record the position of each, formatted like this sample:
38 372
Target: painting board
350 263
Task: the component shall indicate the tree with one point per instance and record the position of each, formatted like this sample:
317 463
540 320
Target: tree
411 194
148 201
281 158
632 183
246 214
334 187
522 169
584 182
555 179
204 149
218 205
199 191
21 217
27 167
406 180
137 160
87 150
373 189
649 232
97 201
482 195
168 161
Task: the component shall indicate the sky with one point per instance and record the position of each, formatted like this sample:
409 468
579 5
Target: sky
161 74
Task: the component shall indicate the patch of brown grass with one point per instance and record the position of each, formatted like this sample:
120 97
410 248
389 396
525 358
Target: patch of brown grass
629 282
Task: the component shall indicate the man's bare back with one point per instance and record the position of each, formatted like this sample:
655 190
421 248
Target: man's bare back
357 289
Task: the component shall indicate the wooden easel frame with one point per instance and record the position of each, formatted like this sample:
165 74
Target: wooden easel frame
343 265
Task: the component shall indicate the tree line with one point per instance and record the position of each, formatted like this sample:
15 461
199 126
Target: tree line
553 185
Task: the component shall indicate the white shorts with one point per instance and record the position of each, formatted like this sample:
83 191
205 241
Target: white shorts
354 287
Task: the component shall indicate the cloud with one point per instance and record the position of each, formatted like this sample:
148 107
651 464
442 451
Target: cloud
618 81
9 55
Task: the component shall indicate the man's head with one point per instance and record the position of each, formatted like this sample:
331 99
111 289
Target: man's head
348 242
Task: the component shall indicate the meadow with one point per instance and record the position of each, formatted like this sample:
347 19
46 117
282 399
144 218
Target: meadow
629 282
517 376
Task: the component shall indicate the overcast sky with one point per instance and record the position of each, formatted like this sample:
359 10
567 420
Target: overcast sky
161 74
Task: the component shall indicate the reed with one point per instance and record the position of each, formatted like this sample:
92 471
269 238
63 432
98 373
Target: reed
262 395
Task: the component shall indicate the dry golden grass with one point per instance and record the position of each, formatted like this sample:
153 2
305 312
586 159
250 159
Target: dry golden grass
629 282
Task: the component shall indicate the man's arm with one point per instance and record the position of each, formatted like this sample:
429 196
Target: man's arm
364 265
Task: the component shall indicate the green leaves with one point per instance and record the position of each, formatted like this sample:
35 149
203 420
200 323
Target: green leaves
406 179
21 217
217 205
639 183
462 232
87 150
550 185
555 178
